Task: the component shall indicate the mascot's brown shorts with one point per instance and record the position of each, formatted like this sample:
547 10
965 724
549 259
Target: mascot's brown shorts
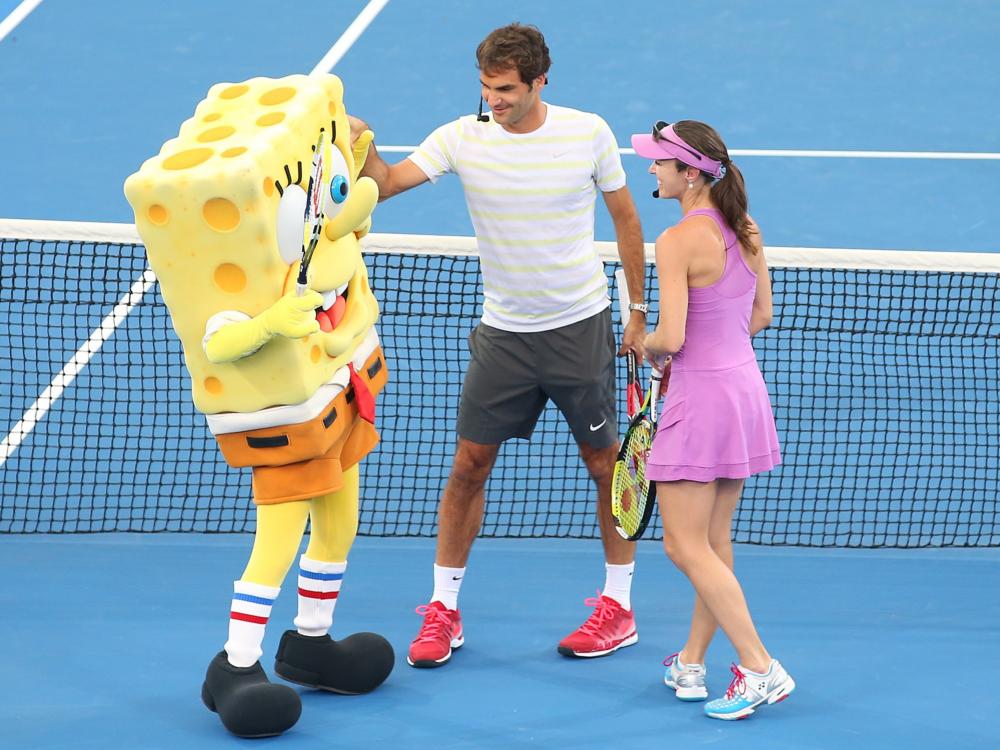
299 461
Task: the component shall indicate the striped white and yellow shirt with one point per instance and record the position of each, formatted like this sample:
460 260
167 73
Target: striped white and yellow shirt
531 200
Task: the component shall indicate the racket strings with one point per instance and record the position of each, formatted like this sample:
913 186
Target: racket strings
629 486
313 219
637 444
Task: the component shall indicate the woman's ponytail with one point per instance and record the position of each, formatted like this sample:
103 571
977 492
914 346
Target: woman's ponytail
729 192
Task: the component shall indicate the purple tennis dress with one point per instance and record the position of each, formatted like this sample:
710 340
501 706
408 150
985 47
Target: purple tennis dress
716 420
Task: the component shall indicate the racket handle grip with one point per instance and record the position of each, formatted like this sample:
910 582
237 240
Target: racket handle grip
301 281
654 392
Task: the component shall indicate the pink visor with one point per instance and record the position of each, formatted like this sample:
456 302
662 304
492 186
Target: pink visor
666 144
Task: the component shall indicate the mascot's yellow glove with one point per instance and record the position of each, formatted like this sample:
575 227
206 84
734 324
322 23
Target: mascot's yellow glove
291 316
360 148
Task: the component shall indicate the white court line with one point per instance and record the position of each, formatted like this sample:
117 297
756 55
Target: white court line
349 37
34 414
809 154
17 15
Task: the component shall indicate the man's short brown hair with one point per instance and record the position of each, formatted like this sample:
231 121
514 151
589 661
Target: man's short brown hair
518 47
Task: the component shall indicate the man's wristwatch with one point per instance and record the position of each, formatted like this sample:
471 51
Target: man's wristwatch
640 306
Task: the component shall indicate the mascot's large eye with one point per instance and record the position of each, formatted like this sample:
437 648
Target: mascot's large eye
291 224
339 187
340 183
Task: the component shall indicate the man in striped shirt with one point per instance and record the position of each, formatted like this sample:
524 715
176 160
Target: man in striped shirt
531 177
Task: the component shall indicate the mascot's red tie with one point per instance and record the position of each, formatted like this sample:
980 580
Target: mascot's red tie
363 397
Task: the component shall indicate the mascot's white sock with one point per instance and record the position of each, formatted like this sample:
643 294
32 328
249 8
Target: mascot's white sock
247 619
319 586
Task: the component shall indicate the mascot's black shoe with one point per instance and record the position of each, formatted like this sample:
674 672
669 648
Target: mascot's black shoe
247 703
357 664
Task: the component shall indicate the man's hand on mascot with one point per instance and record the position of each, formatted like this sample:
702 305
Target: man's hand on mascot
292 316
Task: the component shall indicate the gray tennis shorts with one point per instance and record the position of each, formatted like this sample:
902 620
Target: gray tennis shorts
512 376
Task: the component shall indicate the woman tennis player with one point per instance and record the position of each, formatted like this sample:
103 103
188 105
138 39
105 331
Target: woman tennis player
716 426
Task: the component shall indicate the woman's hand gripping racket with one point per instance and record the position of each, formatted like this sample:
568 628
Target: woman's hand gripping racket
632 494
313 216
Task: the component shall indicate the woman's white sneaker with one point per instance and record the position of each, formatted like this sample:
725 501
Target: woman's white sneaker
748 690
686 680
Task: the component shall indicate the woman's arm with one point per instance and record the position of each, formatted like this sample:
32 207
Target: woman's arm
673 258
760 316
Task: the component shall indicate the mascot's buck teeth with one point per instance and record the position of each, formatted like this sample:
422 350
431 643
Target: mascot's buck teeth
329 298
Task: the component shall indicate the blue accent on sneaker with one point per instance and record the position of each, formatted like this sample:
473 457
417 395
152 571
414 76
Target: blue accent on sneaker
749 690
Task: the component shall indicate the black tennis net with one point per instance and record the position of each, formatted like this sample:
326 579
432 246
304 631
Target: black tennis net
882 367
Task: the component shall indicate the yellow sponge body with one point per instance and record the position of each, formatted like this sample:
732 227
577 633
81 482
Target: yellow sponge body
206 208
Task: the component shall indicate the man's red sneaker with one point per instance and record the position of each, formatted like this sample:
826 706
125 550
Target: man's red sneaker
440 633
609 628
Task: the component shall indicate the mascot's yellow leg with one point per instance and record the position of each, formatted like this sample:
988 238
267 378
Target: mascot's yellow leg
280 528
334 519
279 534
308 655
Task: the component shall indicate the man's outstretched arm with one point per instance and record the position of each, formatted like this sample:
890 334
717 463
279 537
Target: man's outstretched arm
391 179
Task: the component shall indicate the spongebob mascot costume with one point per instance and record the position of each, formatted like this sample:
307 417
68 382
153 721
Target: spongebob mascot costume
287 378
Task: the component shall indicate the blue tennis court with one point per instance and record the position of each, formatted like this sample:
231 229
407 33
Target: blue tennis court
115 658
857 126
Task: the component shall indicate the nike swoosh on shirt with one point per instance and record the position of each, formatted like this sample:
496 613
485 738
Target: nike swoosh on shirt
595 428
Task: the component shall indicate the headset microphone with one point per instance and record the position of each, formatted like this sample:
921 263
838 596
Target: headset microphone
656 193
481 117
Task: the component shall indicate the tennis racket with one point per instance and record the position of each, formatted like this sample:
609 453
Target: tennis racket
633 401
313 216
632 494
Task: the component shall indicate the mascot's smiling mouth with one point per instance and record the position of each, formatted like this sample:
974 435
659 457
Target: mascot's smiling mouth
333 309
